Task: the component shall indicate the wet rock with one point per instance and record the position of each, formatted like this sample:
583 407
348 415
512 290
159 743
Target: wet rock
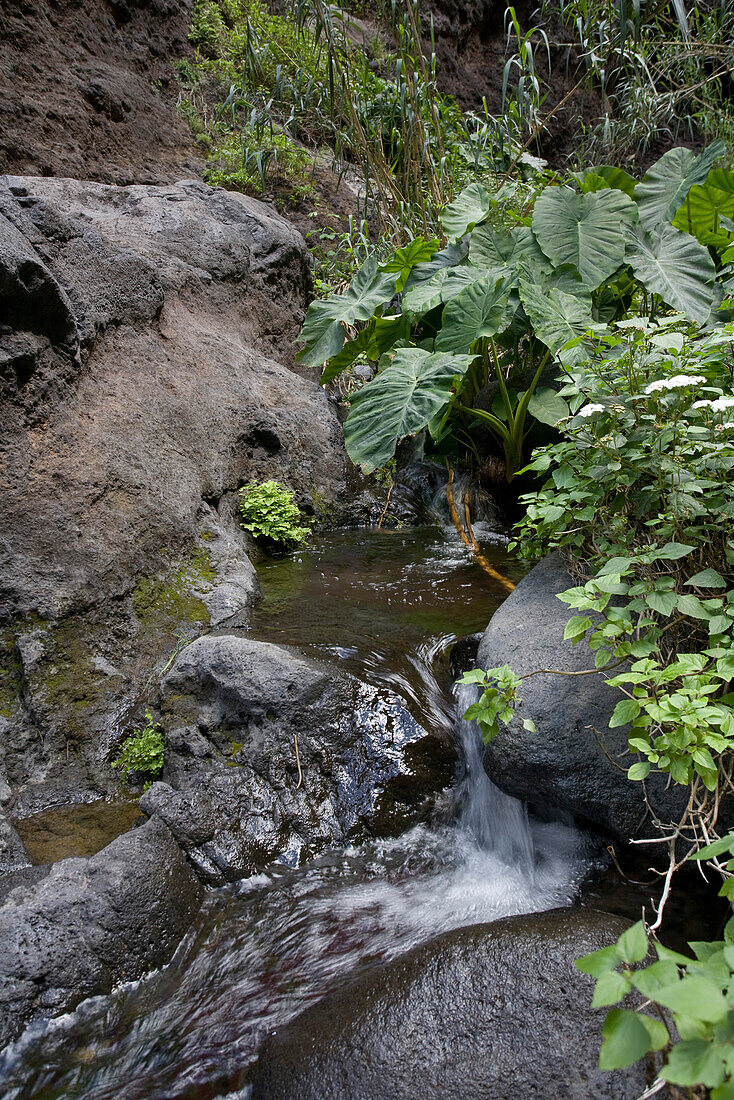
12 852
242 716
490 1012
574 763
89 923
142 327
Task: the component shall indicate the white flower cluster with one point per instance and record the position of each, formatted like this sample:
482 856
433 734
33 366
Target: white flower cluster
589 410
719 405
677 382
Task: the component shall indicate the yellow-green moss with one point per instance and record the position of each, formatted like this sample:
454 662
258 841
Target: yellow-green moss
165 602
10 675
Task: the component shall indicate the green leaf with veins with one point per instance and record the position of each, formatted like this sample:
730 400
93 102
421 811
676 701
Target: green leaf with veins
399 401
496 248
323 330
588 231
480 310
666 184
557 318
470 208
445 285
706 204
675 266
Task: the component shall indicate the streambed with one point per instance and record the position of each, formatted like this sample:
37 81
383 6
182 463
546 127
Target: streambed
387 606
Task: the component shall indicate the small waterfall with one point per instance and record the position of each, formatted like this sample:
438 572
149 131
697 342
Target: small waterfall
498 823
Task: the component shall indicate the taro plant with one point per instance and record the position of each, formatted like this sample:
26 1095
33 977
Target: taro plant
463 333
141 754
271 515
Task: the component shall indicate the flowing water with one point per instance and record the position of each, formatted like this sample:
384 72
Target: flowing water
388 606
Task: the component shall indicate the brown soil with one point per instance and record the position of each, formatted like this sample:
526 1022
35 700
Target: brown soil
87 90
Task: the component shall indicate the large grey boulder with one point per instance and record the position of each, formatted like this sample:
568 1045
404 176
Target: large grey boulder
241 716
574 764
141 330
490 1012
89 923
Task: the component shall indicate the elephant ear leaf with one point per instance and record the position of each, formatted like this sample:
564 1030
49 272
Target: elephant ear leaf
468 209
557 318
399 401
676 267
496 249
588 231
547 406
481 309
323 330
707 207
668 181
596 179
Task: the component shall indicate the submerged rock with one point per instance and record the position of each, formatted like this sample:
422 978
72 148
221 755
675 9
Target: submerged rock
489 1012
242 716
89 923
574 763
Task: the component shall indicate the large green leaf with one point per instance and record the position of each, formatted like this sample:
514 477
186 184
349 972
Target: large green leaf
705 205
495 249
480 310
470 208
445 285
565 278
667 183
547 407
628 1036
557 318
405 259
323 329
675 266
588 231
399 401
597 179
449 256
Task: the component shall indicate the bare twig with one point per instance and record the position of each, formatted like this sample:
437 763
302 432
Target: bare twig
486 565
387 502
298 761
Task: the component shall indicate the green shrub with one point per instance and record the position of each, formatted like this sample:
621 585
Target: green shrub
207 27
245 162
270 513
499 303
142 753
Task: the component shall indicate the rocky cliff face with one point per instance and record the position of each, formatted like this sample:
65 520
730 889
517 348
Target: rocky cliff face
139 390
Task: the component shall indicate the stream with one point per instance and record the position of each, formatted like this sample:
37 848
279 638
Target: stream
388 606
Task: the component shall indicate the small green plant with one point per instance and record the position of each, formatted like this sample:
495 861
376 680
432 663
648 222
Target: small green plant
497 702
270 513
142 753
692 998
248 160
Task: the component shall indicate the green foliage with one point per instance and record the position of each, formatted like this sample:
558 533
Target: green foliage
641 493
300 78
406 394
663 70
247 160
695 1028
510 298
497 703
270 513
208 30
142 752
